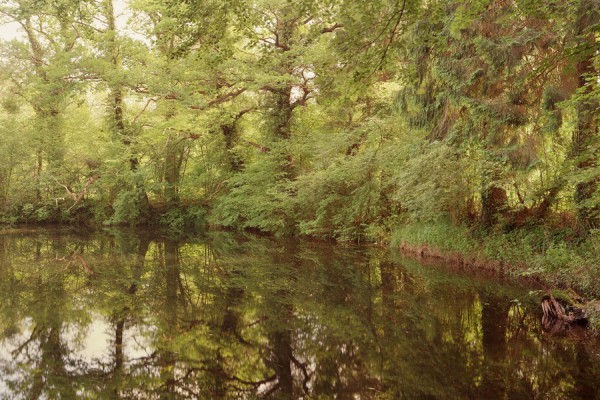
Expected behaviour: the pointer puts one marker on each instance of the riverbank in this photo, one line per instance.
(555, 260)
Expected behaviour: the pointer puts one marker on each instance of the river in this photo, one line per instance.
(123, 315)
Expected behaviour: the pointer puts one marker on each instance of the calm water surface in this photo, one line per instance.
(128, 316)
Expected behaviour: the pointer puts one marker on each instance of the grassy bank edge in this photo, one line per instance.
(539, 253)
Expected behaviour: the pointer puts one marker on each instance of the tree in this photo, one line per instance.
(45, 78)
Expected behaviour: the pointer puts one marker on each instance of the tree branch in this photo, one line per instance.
(139, 114)
(263, 149)
(332, 28)
(219, 100)
(392, 35)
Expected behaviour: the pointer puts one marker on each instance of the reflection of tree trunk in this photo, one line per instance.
(494, 318)
(38, 250)
(281, 343)
(120, 327)
(51, 372)
(281, 315)
(138, 268)
(220, 376)
(390, 327)
(171, 277)
(392, 277)
(280, 340)
(52, 364)
(119, 358)
(587, 385)
(388, 295)
(231, 319)
(167, 357)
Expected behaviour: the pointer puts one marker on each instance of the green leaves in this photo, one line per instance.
(332, 118)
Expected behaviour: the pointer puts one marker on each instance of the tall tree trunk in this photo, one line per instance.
(116, 87)
(171, 174)
(172, 170)
(47, 109)
(493, 203)
(230, 134)
(38, 174)
(282, 114)
(116, 106)
(585, 137)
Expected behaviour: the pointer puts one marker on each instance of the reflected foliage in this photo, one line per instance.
(231, 316)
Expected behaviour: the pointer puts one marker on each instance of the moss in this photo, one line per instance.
(563, 297)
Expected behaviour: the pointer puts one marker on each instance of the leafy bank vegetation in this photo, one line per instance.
(469, 126)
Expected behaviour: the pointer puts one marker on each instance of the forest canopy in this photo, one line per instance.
(343, 119)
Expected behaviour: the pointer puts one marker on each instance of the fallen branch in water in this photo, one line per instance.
(557, 318)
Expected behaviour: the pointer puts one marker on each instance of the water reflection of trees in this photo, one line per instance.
(228, 317)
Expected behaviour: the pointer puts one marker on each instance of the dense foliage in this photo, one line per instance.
(332, 118)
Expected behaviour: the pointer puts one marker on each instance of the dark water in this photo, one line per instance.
(117, 315)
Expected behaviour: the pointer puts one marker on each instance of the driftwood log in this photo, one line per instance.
(558, 318)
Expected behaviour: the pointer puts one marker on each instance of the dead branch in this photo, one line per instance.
(77, 196)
